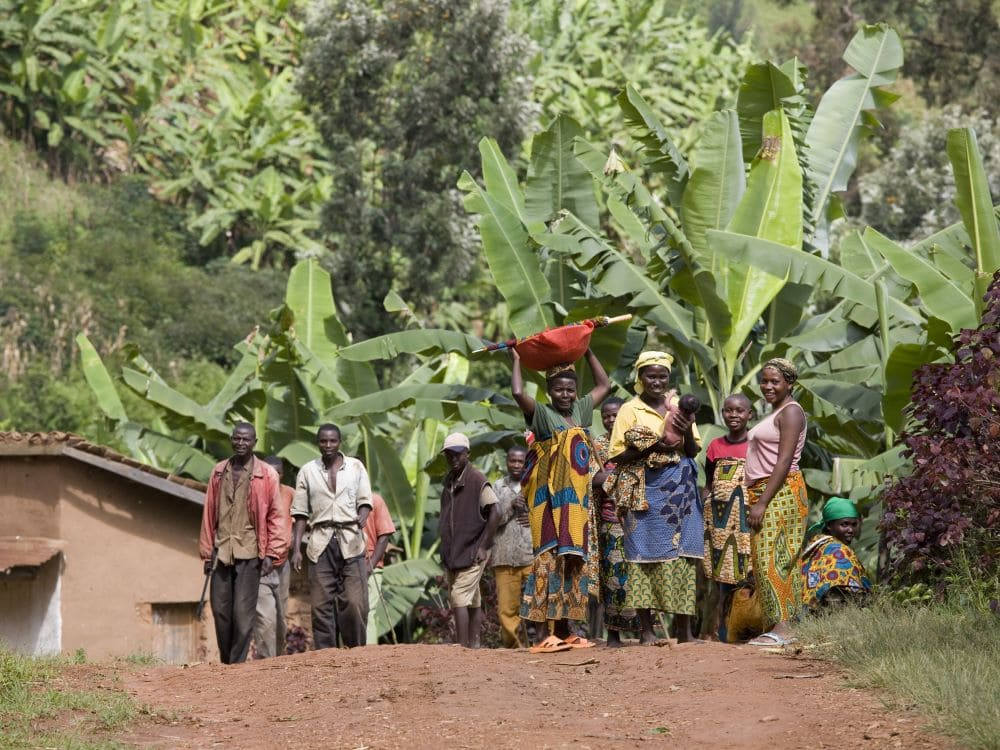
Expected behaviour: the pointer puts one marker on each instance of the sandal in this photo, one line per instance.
(550, 645)
(576, 641)
(772, 639)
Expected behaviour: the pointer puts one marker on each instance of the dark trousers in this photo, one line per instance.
(339, 591)
(234, 607)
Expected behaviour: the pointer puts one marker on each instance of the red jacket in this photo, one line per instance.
(263, 504)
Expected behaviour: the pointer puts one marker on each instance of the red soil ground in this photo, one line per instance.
(694, 695)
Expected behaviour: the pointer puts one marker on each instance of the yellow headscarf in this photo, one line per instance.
(565, 370)
(651, 358)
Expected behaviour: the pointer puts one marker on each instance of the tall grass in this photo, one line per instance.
(28, 702)
(941, 658)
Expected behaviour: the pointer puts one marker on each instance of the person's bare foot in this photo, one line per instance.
(648, 638)
(614, 640)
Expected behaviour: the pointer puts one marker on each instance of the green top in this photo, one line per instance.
(547, 421)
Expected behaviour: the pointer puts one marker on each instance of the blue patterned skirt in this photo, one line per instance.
(673, 526)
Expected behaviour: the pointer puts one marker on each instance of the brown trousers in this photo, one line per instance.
(339, 592)
(510, 586)
(234, 607)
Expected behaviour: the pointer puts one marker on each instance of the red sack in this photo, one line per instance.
(556, 346)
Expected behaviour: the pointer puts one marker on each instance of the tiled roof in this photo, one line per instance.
(75, 447)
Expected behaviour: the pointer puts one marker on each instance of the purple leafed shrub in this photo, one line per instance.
(951, 500)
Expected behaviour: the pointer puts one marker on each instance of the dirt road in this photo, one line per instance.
(690, 696)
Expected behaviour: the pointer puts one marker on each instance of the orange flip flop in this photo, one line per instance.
(576, 641)
(550, 645)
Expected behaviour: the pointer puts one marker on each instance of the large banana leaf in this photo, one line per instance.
(239, 383)
(831, 336)
(859, 477)
(876, 54)
(168, 453)
(319, 331)
(771, 209)
(615, 275)
(393, 398)
(938, 293)
(902, 362)
(634, 207)
(765, 87)
(509, 252)
(449, 411)
(499, 179)
(389, 476)
(421, 341)
(661, 155)
(403, 585)
(802, 267)
(973, 199)
(557, 180)
(182, 412)
(309, 297)
(717, 181)
(100, 381)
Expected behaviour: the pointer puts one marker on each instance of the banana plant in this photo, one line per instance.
(843, 116)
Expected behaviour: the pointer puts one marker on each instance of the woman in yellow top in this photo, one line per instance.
(655, 487)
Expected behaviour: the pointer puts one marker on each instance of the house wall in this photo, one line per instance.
(128, 547)
(29, 601)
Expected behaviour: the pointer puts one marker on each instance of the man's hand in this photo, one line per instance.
(755, 518)
(296, 559)
(482, 554)
(208, 567)
(266, 566)
(369, 568)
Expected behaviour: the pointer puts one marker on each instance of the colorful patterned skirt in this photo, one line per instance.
(556, 485)
(614, 579)
(774, 549)
(664, 543)
(556, 589)
(665, 586)
(827, 564)
(727, 535)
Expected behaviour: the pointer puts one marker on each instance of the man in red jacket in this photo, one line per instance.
(242, 535)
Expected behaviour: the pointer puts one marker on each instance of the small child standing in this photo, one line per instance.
(611, 538)
(727, 535)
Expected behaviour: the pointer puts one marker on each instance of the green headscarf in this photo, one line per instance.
(833, 510)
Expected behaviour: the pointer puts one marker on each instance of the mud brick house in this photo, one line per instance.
(98, 552)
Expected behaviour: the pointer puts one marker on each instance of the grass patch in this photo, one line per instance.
(942, 659)
(30, 705)
(141, 659)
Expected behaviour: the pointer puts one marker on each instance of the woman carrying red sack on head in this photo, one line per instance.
(556, 484)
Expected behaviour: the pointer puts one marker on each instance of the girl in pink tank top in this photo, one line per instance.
(776, 495)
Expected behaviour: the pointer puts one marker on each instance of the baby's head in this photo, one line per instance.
(689, 404)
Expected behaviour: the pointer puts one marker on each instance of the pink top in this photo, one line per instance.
(762, 449)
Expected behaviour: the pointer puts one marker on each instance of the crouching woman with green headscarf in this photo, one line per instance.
(831, 571)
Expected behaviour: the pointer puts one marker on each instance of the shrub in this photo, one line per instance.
(950, 504)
